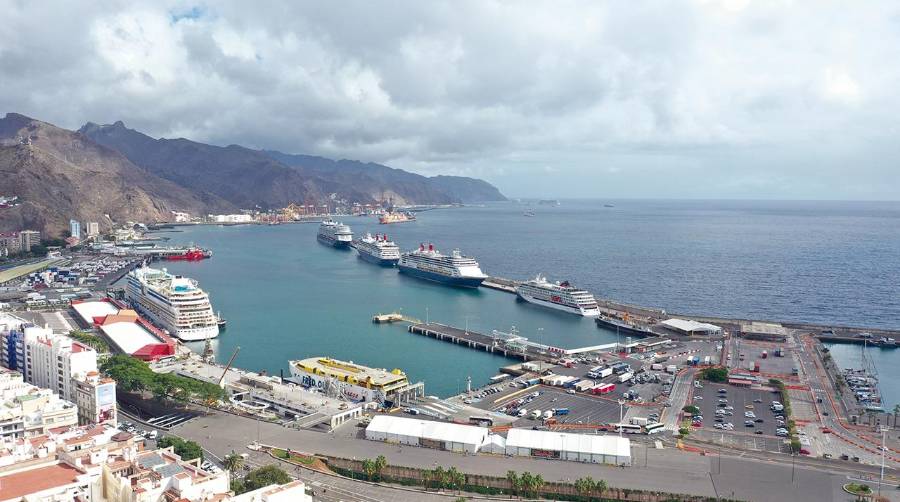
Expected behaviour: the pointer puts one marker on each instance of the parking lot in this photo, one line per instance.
(582, 409)
(742, 400)
(771, 364)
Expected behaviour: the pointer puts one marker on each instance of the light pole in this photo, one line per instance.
(881, 481)
(621, 411)
(426, 316)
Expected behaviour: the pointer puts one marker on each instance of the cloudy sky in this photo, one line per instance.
(695, 99)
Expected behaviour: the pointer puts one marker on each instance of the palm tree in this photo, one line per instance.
(455, 478)
(439, 477)
(233, 462)
(513, 479)
(380, 464)
(368, 466)
(601, 486)
(527, 481)
(537, 483)
(896, 412)
(584, 485)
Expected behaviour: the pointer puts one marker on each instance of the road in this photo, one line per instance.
(829, 412)
(668, 470)
(681, 392)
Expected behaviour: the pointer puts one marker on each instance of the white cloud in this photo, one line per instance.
(739, 97)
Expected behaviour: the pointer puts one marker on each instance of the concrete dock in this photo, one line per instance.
(478, 341)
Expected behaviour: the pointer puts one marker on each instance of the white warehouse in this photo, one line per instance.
(575, 447)
(439, 435)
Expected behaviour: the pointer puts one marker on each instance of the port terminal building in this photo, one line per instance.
(689, 327)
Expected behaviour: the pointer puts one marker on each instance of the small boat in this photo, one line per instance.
(529, 214)
(220, 321)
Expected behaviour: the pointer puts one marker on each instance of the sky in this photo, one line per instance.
(681, 99)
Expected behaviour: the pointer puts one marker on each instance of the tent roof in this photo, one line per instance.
(581, 443)
(438, 431)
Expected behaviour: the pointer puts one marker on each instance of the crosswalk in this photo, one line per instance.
(170, 420)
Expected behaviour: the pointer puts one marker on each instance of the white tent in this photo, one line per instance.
(576, 447)
(494, 443)
(690, 327)
(441, 435)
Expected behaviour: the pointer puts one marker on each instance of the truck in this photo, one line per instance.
(779, 352)
(756, 366)
(604, 388)
(624, 377)
(672, 369)
(605, 372)
(594, 372)
(620, 368)
(795, 371)
(533, 381)
(571, 383)
(707, 360)
(548, 414)
(536, 414)
(656, 366)
(561, 411)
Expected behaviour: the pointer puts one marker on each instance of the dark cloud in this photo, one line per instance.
(742, 99)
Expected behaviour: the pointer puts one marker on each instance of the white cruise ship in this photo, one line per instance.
(333, 233)
(430, 264)
(378, 250)
(173, 303)
(559, 296)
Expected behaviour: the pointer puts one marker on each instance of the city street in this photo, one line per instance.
(667, 470)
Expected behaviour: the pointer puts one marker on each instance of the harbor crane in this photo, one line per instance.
(228, 366)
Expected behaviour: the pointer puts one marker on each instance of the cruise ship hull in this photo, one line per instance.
(623, 329)
(331, 241)
(384, 262)
(185, 335)
(557, 306)
(463, 282)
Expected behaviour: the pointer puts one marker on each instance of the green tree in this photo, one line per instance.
(691, 409)
(514, 481)
(455, 479)
(584, 486)
(187, 450)
(715, 374)
(439, 476)
(233, 462)
(601, 486)
(265, 476)
(380, 464)
(368, 466)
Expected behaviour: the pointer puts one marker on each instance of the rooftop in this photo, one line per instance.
(89, 311)
(18, 484)
(349, 371)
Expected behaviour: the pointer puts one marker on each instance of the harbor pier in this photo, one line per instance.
(478, 341)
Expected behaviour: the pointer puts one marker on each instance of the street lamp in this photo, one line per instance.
(881, 481)
(621, 410)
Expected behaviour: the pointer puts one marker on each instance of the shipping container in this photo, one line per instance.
(672, 369)
(561, 411)
(624, 377)
(605, 372)
(604, 388)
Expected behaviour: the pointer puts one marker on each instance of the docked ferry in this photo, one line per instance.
(623, 326)
(172, 302)
(378, 249)
(352, 381)
(430, 264)
(558, 295)
(334, 234)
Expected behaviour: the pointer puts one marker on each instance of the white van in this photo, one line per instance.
(536, 414)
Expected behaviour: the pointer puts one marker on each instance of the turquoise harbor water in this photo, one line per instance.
(885, 361)
(286, 296)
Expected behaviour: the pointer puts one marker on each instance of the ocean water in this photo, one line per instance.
(286, 296)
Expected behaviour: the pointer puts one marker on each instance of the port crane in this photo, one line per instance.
(228, 366)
